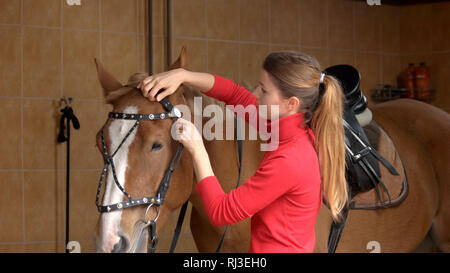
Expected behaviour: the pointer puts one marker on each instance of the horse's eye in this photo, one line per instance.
(156, 147)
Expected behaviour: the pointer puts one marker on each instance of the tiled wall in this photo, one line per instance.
(425, 36)
(232, 37)
(47, 51)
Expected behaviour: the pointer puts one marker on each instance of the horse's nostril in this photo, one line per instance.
(121, 246)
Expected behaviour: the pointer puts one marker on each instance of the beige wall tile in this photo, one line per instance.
(143, 62)
(119, 55)
(313, 23)
(83, 212)
(12, 248)
(368, 65)
(416, 59)
(340, 24)
(440, 26)
(416, 28)
(11, 211)
(142, 14)
(41, 63)
(440, 80)
(11, 62)
(367, 27)
(84, 153)
(10, 139)
(42, 12)
(222, 19)
(45, 247)
(284, 47)
(189, 18)
(254, 22)
(119, 15)
(390, 34)
(159, 58)
(251, 61)
(42, 193)
(40, 119)
(196, 53)
(80, 75)
(84, 16)
(10, 12)
(391, 69)
(284, 22)
(342, 57)
(223, 59)
(159, 17)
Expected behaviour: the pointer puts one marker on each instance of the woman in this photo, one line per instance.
(284, 195)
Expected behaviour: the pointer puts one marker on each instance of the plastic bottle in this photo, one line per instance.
(409, 80)
(422, 82)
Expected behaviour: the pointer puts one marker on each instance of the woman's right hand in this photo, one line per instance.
(169, 81)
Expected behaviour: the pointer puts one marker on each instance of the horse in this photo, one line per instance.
(398, 229)
(143, 155)
(417, 130)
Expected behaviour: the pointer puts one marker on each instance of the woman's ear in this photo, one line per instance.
(293, 103)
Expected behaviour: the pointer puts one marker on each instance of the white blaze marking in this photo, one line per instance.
(111, 220)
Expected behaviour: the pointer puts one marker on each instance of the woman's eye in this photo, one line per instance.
(156, 147)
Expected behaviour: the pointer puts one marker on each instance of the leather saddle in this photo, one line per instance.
(363, 173)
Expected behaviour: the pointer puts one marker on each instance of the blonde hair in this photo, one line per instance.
(298, 74)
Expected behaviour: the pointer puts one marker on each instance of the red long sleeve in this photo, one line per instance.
(283, 197)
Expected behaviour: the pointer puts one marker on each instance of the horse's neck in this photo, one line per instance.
(197, 108)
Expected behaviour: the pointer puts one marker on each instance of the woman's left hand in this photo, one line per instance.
(187, 134)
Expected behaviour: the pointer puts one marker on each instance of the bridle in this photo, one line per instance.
(158, 199)
(150, 201)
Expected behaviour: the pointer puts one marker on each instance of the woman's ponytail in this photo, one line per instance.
(328, 129)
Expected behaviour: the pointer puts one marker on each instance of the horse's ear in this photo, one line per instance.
(181, 62)
(108, 81)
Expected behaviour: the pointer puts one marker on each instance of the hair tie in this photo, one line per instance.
(321, 91)
(322, 76)
(321, 84)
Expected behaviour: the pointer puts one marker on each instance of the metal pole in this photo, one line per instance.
(169, 33)
(150, 37)
(67, 184)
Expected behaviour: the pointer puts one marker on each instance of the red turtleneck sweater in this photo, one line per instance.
(283, 197)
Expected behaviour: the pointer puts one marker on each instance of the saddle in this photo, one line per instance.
(363, 146)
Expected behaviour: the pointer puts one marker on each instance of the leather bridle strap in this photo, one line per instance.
(239, 145)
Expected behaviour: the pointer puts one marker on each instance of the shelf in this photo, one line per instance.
(387, 92)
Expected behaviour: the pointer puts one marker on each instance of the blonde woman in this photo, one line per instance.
(284, 195)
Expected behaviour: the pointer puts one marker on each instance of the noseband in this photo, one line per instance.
(150, 201)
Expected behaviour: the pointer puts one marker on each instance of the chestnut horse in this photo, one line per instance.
(416, 128)
(140, 164)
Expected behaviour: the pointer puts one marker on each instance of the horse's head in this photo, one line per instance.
(139, 165)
